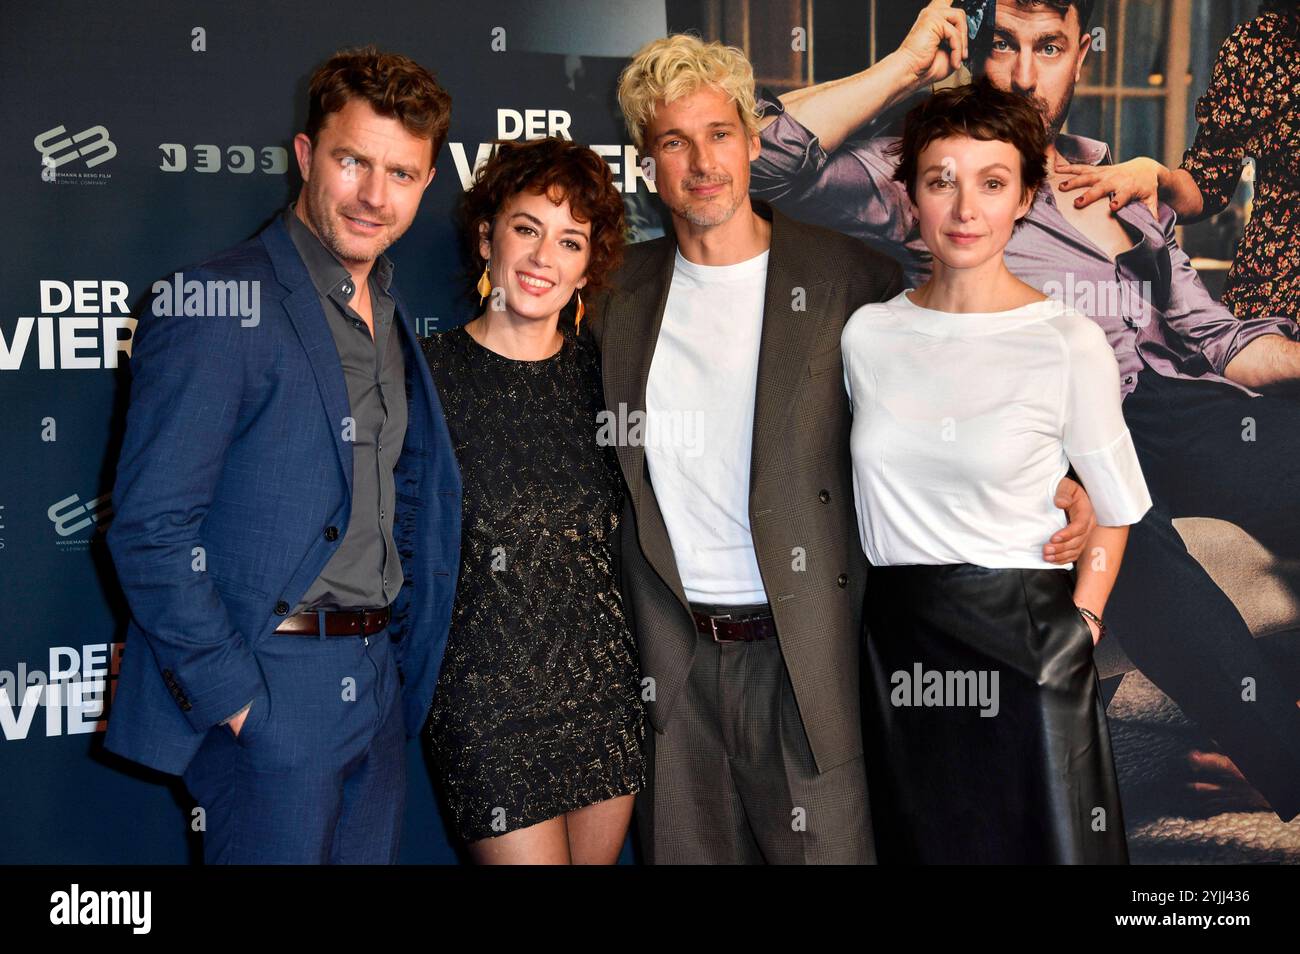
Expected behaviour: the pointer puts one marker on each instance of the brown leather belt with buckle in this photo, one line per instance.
(724, 629)
(358, 622)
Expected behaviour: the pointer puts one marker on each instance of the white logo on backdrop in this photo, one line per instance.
(70, 516)
(630, 175)
(82, 325)
(57, 148)
(74, 691)
(272, 160)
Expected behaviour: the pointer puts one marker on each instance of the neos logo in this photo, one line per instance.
(272, 160)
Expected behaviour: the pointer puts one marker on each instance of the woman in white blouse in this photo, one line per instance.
(972, 396)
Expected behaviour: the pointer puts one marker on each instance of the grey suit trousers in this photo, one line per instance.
(733, 779)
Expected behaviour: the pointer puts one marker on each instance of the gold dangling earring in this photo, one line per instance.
(581, 311)
(484, 283)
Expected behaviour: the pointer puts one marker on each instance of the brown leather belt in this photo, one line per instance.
(724, 629)
(358, 622)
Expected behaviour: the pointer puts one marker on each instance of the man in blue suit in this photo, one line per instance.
(288, 502)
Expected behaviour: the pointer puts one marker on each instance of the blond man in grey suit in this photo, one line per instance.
(742, 570)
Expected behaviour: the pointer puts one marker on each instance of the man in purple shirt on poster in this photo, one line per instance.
(1209, 443)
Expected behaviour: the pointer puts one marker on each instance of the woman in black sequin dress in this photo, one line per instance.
(537, 725)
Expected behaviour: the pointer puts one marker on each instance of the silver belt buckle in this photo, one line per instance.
(713, 625)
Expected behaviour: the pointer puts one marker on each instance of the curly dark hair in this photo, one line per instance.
(978, 110)
(392, 84)
(562, 170)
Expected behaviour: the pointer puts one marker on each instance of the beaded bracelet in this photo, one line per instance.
(1088, 614)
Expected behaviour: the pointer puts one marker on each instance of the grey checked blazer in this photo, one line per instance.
(801, 485)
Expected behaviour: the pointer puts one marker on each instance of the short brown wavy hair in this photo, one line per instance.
(1063, 8)
(562, 170)
(392, 84)
(978, 110)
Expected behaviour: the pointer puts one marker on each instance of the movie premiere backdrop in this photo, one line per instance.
(141, 137)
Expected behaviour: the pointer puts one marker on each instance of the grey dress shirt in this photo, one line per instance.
(365, 571)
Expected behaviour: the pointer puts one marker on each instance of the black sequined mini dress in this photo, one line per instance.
(537, 710)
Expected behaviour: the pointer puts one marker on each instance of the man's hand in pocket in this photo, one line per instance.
(237, 721)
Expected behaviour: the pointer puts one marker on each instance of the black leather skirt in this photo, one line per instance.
(985, 732)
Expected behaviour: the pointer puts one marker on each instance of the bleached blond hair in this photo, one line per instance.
(679, 65)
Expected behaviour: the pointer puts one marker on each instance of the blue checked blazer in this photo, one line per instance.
(232, 470)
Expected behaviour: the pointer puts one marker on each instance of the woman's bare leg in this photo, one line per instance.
(546, 843)
(597, 832)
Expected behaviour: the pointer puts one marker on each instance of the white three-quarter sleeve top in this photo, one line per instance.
(964, 424)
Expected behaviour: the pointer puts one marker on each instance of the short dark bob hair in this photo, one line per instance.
(976, 111)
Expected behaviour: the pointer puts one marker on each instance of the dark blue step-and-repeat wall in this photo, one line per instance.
(139, 138)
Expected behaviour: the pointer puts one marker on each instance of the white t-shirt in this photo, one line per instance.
(699, 425)
(964, 424)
